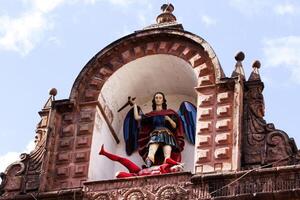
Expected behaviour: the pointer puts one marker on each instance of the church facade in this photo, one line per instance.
(236, 153)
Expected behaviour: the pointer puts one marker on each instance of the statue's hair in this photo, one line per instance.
(164, 104)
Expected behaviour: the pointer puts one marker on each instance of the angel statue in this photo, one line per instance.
(159, 134)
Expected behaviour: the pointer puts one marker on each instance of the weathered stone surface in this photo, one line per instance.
(58, 166)
(263, 143)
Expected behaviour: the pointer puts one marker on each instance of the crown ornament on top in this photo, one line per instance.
(166, 15)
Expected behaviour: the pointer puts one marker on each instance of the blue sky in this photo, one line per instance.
(45, 43)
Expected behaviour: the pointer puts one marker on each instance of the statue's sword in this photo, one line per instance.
(127, 103)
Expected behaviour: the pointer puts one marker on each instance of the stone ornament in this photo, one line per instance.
(101, 196)
(134, 194)
(171, 192)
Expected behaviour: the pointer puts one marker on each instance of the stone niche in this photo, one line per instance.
(140, 78)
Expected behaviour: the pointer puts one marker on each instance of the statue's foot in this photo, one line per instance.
(177, 168)
(148, 163)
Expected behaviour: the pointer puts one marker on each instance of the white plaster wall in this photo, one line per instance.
(141, 79)
(98, 164)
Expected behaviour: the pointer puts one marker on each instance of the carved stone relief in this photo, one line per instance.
(134, 194)
(263, 143)
(149, 192)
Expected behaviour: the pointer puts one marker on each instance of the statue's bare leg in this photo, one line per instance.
(152, 151)
(167, 151)
(133, 168)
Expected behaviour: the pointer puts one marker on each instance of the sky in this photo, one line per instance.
(45, 44)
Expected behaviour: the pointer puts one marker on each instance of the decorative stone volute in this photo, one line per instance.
(166, 15)
(263, 143)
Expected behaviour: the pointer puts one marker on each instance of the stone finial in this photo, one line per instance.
(53, 92)
(240, 56)
(166, 19)
(255, 72)
(239, 70)
(166, 15)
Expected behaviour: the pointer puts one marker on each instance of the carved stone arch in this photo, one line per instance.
(81, 124)
(195, 55)
(187, 46)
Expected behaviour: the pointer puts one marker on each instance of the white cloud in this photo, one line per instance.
(30, 146)
(46, 6)
(283, 9)
(254, 7)
(208, 21)
(282, 53)
(22, 33)
(7, 159)
(12, 157)
(250, 8)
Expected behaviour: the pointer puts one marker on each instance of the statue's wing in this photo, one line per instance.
(131, 131)
(187, 113)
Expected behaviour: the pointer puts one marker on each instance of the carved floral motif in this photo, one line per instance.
(167, 192)
(101, 196)
(179, 191)
(135, 194)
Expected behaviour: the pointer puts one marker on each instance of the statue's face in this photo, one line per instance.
(159, 99)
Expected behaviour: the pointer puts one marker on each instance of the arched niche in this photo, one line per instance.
(170, 60)
(140, 78)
